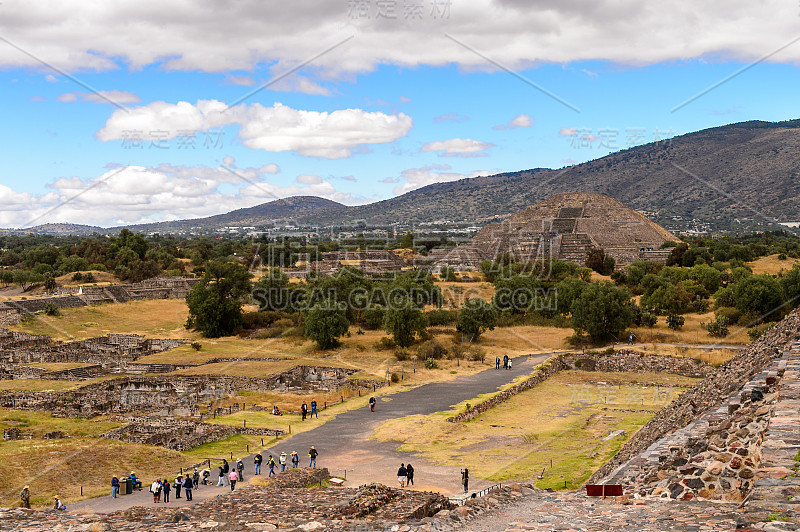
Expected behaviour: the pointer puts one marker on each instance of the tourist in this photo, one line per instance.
(226, 469)
(114, 486)
(510, 362)
(58, 505)
(497, 363)
(295, 459)
(196, 478)
(25, 497)
(282, 461)
(271, 466)
(401, 475)
(178, 485)
(312, 454)
(166, 489)
(410, 474)
(221, 479)
(188, 485)
(304, 410)
(155, 489)
(257, 461)
(465, 479)
(135, 482)
(371, 404)
(233, 477)
(314, 409)
(206, 475)
(276, 411)
(505, 361)
(240, 469)
(630, 339)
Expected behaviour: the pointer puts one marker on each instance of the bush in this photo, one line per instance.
(88, 278)
(675, 321)
(440, 317)
(781, 256)
(431, 349)
(754, 333)
(395, 378)
(77, 276)
(373, 317)
(51, 309)
(731, 313)
(387, 342)
(197, 346)
(295, 332)
(431, 364)
(717, 328)
(97, 267)
(477, 353)
(402, 354)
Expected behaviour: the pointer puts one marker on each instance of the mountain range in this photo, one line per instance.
(739, 177)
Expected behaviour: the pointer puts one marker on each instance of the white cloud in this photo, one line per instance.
(138, 194)
(458, 147)
(75, 34)
(522, 120)
(567, 131)
(331, 135)
(427, 175)
(309, 179)
(49, 78)
(450, 117)
(112, 96)
(245, 81)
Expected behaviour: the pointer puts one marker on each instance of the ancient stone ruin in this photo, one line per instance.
(564, 227)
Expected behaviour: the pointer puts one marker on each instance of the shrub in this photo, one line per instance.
(97, 267)
(51, 309)
(373, 317)
(717, 328)
(77, 276)
(395, 378)
(675, 322)
(440, 317)
(731, 313)
(782, 256)
(432, 349)
(88, 278)
(387, 342)
(296, 332)
(402, 354)
(477, 353)
(754, 333)
(197, 346)
(431, 364)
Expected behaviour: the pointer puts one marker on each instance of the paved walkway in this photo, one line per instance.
(345, 448)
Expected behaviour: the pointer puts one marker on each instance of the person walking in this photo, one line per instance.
(25, 497)
(114, 487)
(221, 476)
(165, 486)
(233, 477)
(304, 410)
(188, 485)
(401, 475)
(240, 469)
(410, 474)
(257, 461)
(295, 459)
(312, 454)
(314, 409)
(465, 479)
(505, 361)
(510, 362)
(196, 479)
(178, 485)
(372, 404)
(271, 466)
(227, 470)
(282, 461)
(155, 489)
(497, 363)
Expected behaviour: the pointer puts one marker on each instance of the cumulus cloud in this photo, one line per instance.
(330, 135)
(138, 194)
(196, 34)
(115, 96)
(427, 175)
(458, 147)
(522, 120)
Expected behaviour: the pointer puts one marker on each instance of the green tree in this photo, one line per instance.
(325, 322)
(215, 303)
(408, 241)
(404, 319)
(760, 294)
(599, 261)
(675, 322)
(271, 291)
(602, 310)
(475, 317)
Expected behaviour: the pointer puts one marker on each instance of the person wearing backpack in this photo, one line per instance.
(314, 409)
(282, 461)
(312, 454)
(295, 459)
(257, 461)
(240, 469)
(166, 489)
(114, 486)
(304, 410)
(271, 466)
(188, 485)
(25, 497)
(371, 404)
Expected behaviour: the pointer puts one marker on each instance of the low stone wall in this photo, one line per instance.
(180, 435)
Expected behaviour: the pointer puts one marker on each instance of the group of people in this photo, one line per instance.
(405, 475)
(305, 412)
(507, 362)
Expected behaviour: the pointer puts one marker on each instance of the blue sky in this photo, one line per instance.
(396, 105)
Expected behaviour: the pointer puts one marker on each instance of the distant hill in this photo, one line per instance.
(278, 210)
(739, 177)
(60, 229)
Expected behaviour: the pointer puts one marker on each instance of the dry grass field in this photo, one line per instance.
(564, 421)
(772, 265)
